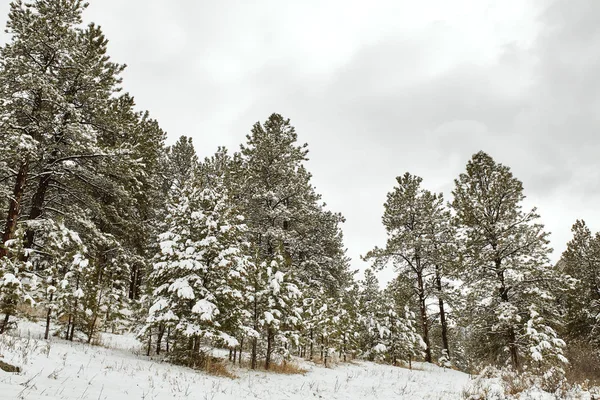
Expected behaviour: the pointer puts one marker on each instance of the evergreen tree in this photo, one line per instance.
(505, 261)
(419, 234)
(199, 273)
(581, 261)
(77, 150)
(282, 207)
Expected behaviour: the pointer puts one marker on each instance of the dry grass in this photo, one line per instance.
(31, 312)
(287, 368)
(584, 367)
(218, 367)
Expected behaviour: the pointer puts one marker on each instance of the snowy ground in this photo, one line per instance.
(56, 369)
(63, 370)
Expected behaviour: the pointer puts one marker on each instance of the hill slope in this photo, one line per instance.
(72, 371)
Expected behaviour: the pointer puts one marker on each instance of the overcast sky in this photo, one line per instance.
(379, 88)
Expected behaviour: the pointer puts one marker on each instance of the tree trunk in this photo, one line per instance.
(253, 362)
(4, 326)
(511, 335)
(443, 322)
(254, 339)
(269, 348)
(168, 338)
(72, 334)
(241, 347)
(48, 315)
(149, 342)
(311, 343)
(14, 208)
(68, 327)
(424, 321)
(37, 206)
(161, 332)
(326, 350)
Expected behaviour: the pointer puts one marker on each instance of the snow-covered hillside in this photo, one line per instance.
(61, 370)
(74, 371)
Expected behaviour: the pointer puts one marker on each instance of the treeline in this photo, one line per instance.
(106, 227)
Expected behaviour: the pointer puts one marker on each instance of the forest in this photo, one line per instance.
(105, 228)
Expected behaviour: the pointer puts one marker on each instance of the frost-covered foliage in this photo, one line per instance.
(77, 154)
(420, 247)
(581, 261)
(17, 282)
(505, 266)
(199, 273)
(60, 266)
(388, 330)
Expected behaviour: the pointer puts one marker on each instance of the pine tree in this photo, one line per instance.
(581, 261)
(182, 161)
(505, 261)
(371, 310)
(419, 234)
(78, 152)
(198, 275)
(282, 207)
(17, 282)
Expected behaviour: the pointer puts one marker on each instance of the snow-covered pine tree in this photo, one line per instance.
(199, 272)
(282, 208)
(276, 195)
(77, 150)
(182, 161)
(58, 263)
(505, 266)
(282, 316)
(545, 347)
(398, 332)
(418, 230)
(346, 323)
(17, 281)
(581, 261)
(371, 309)
(273, 304)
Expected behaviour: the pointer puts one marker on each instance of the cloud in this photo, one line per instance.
(381, 89)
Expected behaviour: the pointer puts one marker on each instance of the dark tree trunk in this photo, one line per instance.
(254, 345)
(14, 208)
(168, 338)
(72, 334)
(149, 342)
(269, 349)
(424, 321)
(254, 339)
(443, 322)
(240, 355)
(4, 326)
(161, 332)
(69, 327)
(311, 344)
(511, 335)
(48, 315)
(135, 282)
(37, 206)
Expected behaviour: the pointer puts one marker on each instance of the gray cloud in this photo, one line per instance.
(379, 90)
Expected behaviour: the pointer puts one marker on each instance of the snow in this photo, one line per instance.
(10, 279)
(59, 370)
(205, 309)
(183, 289)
